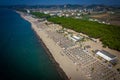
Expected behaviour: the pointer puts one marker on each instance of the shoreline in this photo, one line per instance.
(60, 71)
(70, 64)
(56, 65)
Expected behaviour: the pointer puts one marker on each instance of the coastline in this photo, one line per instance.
(66, 67)
(60, 70)
(60, 54)
(55, 63)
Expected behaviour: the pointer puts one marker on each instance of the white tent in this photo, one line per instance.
(107, 56)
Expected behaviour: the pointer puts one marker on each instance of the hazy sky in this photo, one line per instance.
(49, 2)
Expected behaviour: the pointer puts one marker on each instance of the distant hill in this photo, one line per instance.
(66, 6)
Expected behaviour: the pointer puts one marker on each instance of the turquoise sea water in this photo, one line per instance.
(21, 55)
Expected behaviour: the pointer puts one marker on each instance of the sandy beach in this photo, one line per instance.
(67, 62)
(64, 62)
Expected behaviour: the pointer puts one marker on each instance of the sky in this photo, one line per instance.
(57, 2)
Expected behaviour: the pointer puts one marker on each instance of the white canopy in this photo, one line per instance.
(107, 56)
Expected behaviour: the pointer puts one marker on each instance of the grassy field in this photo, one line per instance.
(108, 34)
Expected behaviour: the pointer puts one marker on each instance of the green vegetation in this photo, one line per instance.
(40, 15)
(85, 17)
(108, 34)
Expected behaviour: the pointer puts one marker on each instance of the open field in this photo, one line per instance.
(100, 15)
(113, 19)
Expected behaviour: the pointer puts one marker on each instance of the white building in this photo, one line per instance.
(46, 12)
(74, 38)
(28, 11)
(107, 56)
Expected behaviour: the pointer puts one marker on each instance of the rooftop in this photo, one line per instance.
(106, 55)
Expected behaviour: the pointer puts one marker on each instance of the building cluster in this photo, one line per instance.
(81, 13)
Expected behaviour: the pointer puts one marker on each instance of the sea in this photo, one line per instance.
(22, 56)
